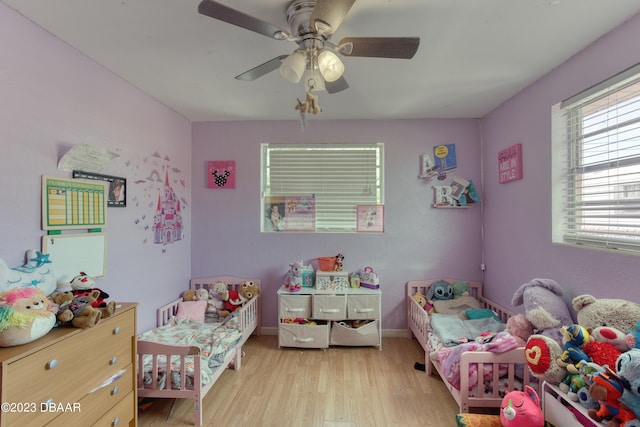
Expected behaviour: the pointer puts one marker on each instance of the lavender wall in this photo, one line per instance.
(518, 215)
(418, 241)
(54, 98)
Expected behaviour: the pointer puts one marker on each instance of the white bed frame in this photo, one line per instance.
(418, 325)
(249, 315)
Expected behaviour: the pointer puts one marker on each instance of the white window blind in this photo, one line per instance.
(599, 155)
(339, 176)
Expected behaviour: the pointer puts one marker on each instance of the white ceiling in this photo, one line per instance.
(473, 54)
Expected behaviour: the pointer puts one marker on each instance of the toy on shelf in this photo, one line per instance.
(26, 314)
(293, 279)
(338, 264)
(84, 285)
(77, 311)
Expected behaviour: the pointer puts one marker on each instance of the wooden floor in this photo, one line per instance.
(338, 387)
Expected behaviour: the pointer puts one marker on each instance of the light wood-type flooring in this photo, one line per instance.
(337, 387)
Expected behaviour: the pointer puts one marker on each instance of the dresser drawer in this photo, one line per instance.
(98, 402)
(61, 369)
(292, 306)
(363, 307)
(119, 415)
(330, 307)
(304, 336)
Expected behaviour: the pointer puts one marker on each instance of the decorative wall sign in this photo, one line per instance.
(370, 218)
(510, 164)
(445, 157)
(221, 173)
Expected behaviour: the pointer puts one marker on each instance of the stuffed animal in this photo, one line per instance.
(189, 295)
(26, 314)
(611, 335)
(521, 409)
(338, 264)
(83, 285)
(574, 337)
(541, 354)
(310, 105)
(520, 327)
(36, 272)
(460, 288)
(77, 311)
(628, 369)
(616, 313)
(293, 279)
(218, 294)
(441, 290)
(421, 299)
(247, 290)
(544, 307)
(606, 388)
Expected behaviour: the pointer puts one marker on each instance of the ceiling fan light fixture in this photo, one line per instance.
(313, 81)
(331, 67)
(293, 66)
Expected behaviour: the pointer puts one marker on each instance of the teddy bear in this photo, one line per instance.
(189, 295)
(26, 314)
(75, 310)
(84, 285)
(247, 290)
(617, 313)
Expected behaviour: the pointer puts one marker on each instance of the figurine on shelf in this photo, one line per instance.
(338, 264)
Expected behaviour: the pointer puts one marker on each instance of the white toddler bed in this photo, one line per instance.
(501, 366)
(198, 352)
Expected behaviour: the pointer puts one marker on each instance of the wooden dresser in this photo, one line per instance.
(58, 380)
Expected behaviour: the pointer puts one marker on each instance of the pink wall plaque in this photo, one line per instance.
(221, 173)
(510, 164)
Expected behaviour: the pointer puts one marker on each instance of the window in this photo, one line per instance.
(336, 177)
(596, 137)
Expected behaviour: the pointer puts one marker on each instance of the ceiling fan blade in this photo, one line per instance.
(231, 16)
(261, 69)
(380, 47)
(336, 86)
(327, 15)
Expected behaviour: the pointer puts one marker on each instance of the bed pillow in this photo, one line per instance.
(192, 310)
(481, 313)
(457, 306)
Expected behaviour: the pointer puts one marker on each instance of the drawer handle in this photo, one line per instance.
(330, 310)
(116, 330)
(51, 364)
(303, 339)
(364, 310)
(113, 361)
(115, 421)
(114, 391)
(295, 310)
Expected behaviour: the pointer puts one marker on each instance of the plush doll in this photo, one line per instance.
(77, 311)
(441, 290)
(544, 306)
(606, 388)
(628, 369)
(574, 337)
(338, 264)
(26, 314)
(247, 290)
(421, 299)
(521, 409)
(520, 327)
(460, 288)
(293, 279)
(541, 354)
(36, 272)
(83, 285)
(616, 313)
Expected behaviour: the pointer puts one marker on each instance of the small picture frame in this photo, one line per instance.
(370, 218)
(117, 192)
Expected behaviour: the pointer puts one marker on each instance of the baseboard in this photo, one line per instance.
(386, 333)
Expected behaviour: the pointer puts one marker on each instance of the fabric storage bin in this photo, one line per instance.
(330, 307)
(363, 307)
(295, 306)
(364, 335)
(338, 280)
(304, 336)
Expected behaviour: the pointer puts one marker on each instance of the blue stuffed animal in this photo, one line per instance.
(440, 290)
(574, 337)
(628, 369)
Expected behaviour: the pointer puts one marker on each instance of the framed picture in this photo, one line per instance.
(117, 191)
(221, 174)
(510, 164)
(370, 218)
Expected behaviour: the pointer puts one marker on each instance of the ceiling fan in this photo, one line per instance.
(312, 23)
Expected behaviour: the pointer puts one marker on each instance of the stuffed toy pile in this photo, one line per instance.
(592, 359)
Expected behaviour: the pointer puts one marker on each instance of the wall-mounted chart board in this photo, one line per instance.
(71, 254)
(72, 203)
